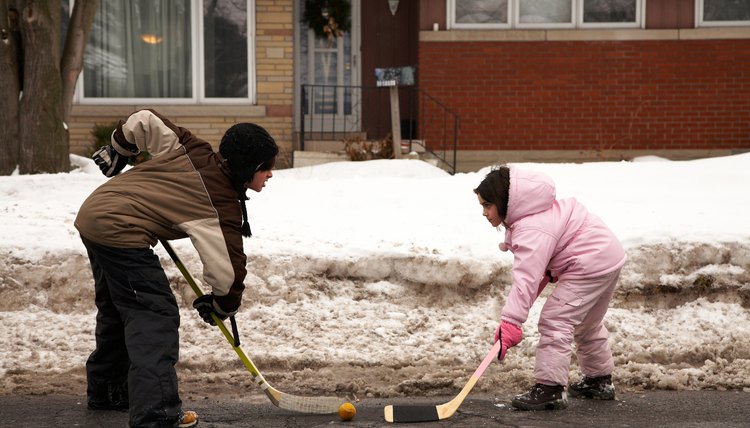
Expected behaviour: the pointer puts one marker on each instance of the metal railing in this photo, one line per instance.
(339, 112)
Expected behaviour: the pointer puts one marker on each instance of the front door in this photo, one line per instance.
(389, 40)
(330, 104)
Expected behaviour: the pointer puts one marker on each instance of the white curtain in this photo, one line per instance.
(139, 49)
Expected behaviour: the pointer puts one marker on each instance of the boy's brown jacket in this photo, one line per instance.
(183, 191)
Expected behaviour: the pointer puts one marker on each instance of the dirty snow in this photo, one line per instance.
(382, 278)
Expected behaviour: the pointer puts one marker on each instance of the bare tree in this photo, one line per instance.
(81, 20)
(37, 94)
(10, 41)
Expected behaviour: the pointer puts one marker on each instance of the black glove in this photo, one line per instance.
(205, 305)
(109, 160)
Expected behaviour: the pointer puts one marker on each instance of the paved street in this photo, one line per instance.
(632, 409)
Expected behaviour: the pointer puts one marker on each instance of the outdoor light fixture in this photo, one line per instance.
(393, 4)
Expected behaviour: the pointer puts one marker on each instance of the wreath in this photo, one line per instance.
(328, 18)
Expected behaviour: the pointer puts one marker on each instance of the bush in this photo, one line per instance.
(359, 150)
(102, 135)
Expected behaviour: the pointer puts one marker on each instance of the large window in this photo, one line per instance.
(545, 13)
(159, 49)
(724, 12)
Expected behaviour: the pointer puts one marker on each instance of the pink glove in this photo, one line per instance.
(510, 335)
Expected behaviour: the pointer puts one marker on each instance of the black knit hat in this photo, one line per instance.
(246, 147)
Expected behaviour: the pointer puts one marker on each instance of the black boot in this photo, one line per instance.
(542, 397)
(598, 388)
(109, 396)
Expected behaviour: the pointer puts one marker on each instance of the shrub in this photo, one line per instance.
(359, 150)
(102, 135)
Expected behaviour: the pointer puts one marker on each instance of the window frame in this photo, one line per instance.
(538, 25)
(700, 22)
(640, 19)
(453, 24)
(575, 24)
(197, 69)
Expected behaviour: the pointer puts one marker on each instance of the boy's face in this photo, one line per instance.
(259, 180)
(489, 211)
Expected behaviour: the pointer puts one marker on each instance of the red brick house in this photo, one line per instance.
(532, 80)
(664, 77)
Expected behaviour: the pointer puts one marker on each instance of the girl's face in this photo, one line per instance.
(259, 180)
(489, 211)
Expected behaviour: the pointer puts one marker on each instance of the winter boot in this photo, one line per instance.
(109, 396)
(598, 388)
(542, 397)
(187, 419)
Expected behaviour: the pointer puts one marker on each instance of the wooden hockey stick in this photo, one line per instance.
(441, 411)
(319, 405)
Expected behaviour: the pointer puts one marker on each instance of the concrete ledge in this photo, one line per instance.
(499, 35)
(614, 35)
(537, 35)
(106, 110)
(308, 158)
(324, 146)
(714, 33)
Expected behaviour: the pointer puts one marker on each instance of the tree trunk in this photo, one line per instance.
(44, 140)
(81, 20)
(10, 39)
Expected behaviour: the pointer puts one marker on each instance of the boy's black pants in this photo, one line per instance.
(136, 333)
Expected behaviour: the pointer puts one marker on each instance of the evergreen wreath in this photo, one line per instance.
(328, 18)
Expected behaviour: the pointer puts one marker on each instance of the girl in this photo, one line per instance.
(554, 241)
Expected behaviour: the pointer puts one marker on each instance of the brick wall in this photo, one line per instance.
(274, 48)
(593, 95)
(274, 20)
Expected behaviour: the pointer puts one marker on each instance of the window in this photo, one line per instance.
(723, 12)
(545, 13)
(610, 13)
(481, 13)
(225, 49)
(142, 50)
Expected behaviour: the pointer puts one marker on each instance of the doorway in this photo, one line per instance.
(335, 80)
(327, 71)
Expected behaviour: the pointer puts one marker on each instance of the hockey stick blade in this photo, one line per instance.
(317, 405)
(422, 413)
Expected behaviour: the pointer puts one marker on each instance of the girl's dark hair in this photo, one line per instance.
(494, 189)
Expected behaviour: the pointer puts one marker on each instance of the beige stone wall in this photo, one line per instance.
(274, 82)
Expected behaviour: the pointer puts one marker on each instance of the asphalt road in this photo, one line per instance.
(631, 409)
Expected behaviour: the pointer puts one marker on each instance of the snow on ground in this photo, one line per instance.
(383, 278)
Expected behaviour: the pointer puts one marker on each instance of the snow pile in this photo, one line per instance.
(383, 278)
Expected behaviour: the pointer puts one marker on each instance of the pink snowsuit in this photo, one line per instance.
(560, 236)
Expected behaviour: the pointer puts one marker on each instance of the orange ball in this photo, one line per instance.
(347, 411)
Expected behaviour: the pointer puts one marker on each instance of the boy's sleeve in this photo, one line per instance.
(148, 132)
